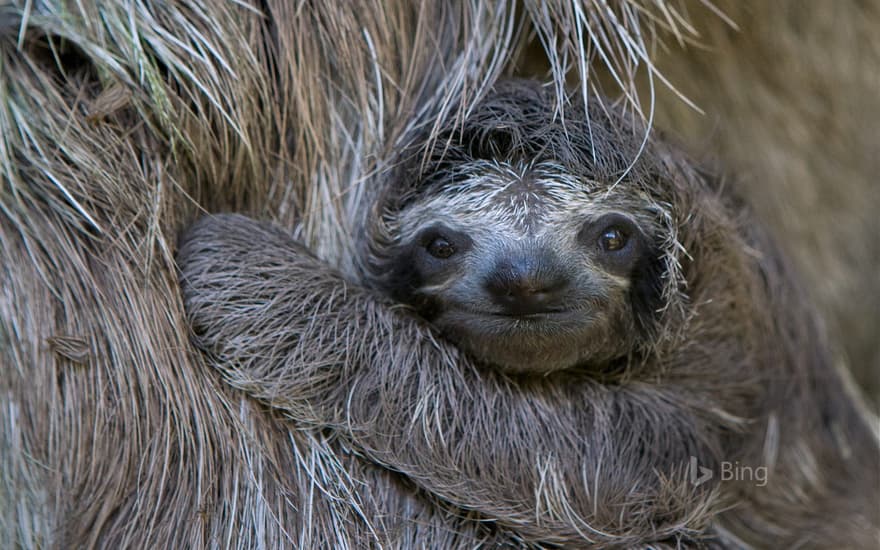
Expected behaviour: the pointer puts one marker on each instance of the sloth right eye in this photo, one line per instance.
(439, 247)
(613, 239)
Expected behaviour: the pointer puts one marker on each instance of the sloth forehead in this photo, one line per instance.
(518, 199)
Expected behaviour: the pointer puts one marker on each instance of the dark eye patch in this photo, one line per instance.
(441, 248)
(621, 247)
(646, 288)
(411, 267)
(615, 240)
(437, 237)
(438, 250)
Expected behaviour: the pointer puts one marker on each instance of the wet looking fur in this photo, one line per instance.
(707, 350)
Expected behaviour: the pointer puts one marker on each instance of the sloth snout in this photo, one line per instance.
(527, 285)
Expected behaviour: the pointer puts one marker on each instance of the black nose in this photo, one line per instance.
(526, 285)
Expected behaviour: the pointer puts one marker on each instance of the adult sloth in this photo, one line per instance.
(667, 329)
(119, 121)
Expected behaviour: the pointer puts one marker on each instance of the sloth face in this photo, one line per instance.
(529, 268)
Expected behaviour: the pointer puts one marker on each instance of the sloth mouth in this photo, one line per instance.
(542, 314)
(563, 319)
(559, 313)
(548, 316)
(539, 342)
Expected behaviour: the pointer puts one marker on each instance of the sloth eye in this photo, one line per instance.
(440, 248)
(440, 242)
(613, 239)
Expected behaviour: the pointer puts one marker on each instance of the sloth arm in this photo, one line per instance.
(555, 462)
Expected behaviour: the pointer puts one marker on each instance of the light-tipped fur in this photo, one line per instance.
(733, 370)
(121, 122)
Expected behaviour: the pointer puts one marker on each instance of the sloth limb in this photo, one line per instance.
(554, 462)
(558, 460)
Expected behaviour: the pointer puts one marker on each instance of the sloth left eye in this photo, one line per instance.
(440, 248)
(613, 239)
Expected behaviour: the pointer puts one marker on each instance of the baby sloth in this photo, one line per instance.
(666, 331)
(524, 264)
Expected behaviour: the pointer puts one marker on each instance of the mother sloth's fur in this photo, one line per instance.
(732, 369)
(118, 119)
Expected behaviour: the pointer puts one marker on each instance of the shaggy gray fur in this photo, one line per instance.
(733, 368)
(123, 121)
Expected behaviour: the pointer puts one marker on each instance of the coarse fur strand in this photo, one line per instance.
(734, 371)
(121, 121)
